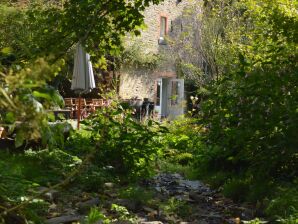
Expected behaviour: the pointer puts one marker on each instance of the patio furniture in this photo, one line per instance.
(97, 103)
(70, 105)
(107, 102)
(65, 112)
(136, 104)
(82, 108)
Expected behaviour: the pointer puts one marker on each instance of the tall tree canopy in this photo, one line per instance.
(35, 37)
(250, 107)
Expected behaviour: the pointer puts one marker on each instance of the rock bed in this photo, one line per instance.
(207, 206)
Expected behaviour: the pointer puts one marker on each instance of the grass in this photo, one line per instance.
(187, 171)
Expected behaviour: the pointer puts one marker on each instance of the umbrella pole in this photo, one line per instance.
(79, 112)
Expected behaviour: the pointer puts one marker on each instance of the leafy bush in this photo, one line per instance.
(21, 174)
(182, 141)
(183, 136)
(285, 202)
(184, 158)
(123, 214)
(174, 206)
(95, 216)
(250, 111)
(236, 189)
(137, 194)
(123, 143)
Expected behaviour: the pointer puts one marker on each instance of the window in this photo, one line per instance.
(163, 30)
(175, 93)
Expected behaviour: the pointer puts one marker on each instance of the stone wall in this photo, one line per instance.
(136, 82)
(172, 10)
(140, 83)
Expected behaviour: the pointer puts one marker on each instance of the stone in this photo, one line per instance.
(85, 206)
(197, 197)
(152, 222)
(121, 222)
(53, 206)
(192, 185)
(151, 210)
(49, 195)
(129, 204)
(177, 176)
(52, 195)
(109, 185)
(64, 219)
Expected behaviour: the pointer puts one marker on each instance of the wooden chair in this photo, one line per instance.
(70, 105)
(84, 109)
(97, 103)
(107, 103)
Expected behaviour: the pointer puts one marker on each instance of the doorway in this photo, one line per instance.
(169, 97)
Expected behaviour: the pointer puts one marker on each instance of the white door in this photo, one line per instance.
(158, 97)
(175, 100)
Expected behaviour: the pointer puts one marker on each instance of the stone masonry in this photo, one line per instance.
(140, 83)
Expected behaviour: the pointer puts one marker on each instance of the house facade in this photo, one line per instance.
(161, 83)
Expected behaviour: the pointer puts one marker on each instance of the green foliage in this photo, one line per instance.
(21, 98)
(35, 40)
(184, 158)
(168, 166)
(123, 214)
(93, 177)
(19, 172)
(133, 56)
(180, 146)
(36, 209)
(248, 145)
(285, 203)
(175, 206)
(251, 112)
(255, 221)
(137, 194)
(183, 136)
(95, 216)
(22, 174)
(130, 147)
(236, 189)
(45, 29)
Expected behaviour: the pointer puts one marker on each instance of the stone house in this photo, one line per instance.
(158, 81)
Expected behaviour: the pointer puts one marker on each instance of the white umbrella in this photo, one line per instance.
(83, 78)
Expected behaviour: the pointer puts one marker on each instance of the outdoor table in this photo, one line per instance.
(65, 112)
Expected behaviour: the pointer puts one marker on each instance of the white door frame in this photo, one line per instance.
(175, 102)
(166, 108)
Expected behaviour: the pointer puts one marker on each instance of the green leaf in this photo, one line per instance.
(19, 140)
(10, 117)
(38, 94)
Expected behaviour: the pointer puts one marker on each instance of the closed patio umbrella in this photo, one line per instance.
(83, 78)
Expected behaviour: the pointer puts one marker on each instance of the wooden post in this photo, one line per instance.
(79, 112)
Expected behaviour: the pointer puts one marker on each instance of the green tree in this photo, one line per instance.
(250, 113)
(36, 38)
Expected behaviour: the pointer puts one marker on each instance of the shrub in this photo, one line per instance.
(128, 146)
(284, 203)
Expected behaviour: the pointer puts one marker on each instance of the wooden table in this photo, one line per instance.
(65, 112)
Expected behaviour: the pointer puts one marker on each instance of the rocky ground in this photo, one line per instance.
(166, 198)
